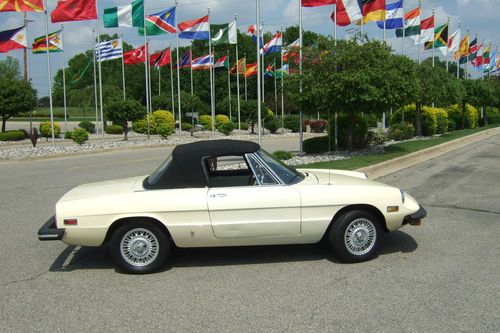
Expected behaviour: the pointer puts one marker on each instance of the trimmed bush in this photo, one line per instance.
(87, 125)
(359, 131)
(226, 128)
(429, 121)
(114, 129)
(68, 135)
(46, 130)
(80, 135)
(43, 114)
(401, 131)
(372, 119)
(244, 126)
(12, 136)
(140, 126)
(317, 145)
(376, 136)
(471, 116)
(441, 120)
(186, 126)
(206, 121)
(452, 125)
(282, 155)
(162, 117)
(493, 115)
(318, 126)
(271, 125)
(220, 119)
(165, 130)
(292, 123)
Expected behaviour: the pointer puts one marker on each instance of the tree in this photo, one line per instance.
(249, 112)
(123, 111)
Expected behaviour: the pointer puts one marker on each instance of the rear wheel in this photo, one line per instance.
(139, 247)
(354, 236)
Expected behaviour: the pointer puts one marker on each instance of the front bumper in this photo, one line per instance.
(415, 218)
(49, 231)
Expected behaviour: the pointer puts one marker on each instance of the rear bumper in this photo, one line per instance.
(415, 218)
(49, 231)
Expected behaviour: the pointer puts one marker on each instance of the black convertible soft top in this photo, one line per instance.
(186, 168)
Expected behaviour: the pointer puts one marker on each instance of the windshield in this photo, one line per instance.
(153, 178)
(285, 172)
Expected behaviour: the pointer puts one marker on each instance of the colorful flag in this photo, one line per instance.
(274, 45)
(269, 71)
(74, 10)
(283, 71)
(222, 63)
(440, 39)
(393, 16)
(473, 47)
(55, 43)
(112, 49)
(186, 60)
(426, 30)
(241, 67)
(202, 62)
(13, 39)
(21, 6)
(348, 11)
(373, 10)
(223, 33)
(124, 16)
(160, 23)
(454, 42)
(463, 51)
(317, 3)
(161, 58)
(251, 70)
(477, 59)
(135, 56)
(252, 30)
(195, 29)
(412, 24)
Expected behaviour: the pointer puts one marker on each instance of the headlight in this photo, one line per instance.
(402, 195)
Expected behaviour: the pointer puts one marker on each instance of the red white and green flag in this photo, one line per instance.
(222, 63)
(412, 24)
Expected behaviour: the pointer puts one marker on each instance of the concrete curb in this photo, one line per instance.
(385, 168)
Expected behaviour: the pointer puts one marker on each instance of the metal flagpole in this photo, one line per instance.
(159, 81)
(301, 133)
(212, 106)
(282, 97)
(433, 42)
(447, 59)
(263, 65)
(123, 70)
(238, 75)
(64, 83)
(172, 77)
(245, 77)
(385, 23)
(95, 86)
(49, 74)
(99, 69)
(459, 55)
(146, 77)
(178, 72)
(25, 54)
(229, 87)
(466, 70)
(404, 29)
(275, 89)
(192, 90)
(259, 115)
(334, 27)
(150, 89)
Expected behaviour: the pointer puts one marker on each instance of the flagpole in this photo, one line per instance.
(237, 73)
(404, 29)
(466, 71)
(172, 77)
(146, 76)
(212, 106)
(49, 74)
(385, 26)
(282, 76)
(99, 69)
(229, 86)
(259, 116)
(263, 64)
(275, 89)
(433, 42)
(64, 83)
(95, 85)
(159, 81)
(245, 77)
(123, 70)
(459, 55)
(334, 27)
(192, 90)
(447, 65)
(150, 88)
(25, 53)
(179, 73)
(301, 133)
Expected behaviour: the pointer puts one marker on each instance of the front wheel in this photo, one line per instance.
(139, 247)
(354, 236)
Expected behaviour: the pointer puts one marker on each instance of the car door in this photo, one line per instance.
(265, 209)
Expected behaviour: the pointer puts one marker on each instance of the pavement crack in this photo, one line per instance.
(31, 278)
(461, 208)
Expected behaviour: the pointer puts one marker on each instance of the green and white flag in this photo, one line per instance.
(125, 16)
(224, 33)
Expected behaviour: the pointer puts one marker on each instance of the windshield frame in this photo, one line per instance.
(264, 156)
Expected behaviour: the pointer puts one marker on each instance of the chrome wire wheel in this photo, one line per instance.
(360, 236)
(139, 247)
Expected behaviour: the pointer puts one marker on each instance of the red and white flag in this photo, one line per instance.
(135, 56)
(348, 12)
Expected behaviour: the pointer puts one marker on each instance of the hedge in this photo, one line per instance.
(12, 136)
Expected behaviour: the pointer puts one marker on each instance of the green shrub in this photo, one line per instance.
(87, 125)
(165, 129)
(318, 126)
(12, 136)
(221, 119)
(359, 131)
(376, 136)
(429, 121)
(43, 114)
(452, 125)
(114, 129)
(46, 130)
(441, 120)
(493, 115)
(186, 126)
(372, 119)
(244, 126)
(282, 155)
(271, 125)
(292, 123)
(317, 145)
(471, 116)
(226, 128)
(140, 126)
(80, 135)
(162, 117)
(206, 121)
(68, 135)
(401, 131)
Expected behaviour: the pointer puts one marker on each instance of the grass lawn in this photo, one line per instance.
(393, 151)
(74, 114)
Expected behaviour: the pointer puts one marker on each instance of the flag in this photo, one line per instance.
(13, 39)
(55, 43)
(252, 30)
(373, 10)
(195, 29)
(135, 56)
(161, 58)
(393, 16)
(112, 49)
(241, 67)
(222, 63)
(476, 56)
(317, 3)
(251, 70)
(274, 45)
(412, 24)
(348, 11)
(21, 6)
(486, 58)
(426, 31)
(74, 10)
(282, 72)
(269, 71)
(202, 62)
(494, 63)
(440, 39)
(471, 52)
(223, 33)
(454, 42)
(124, 16)
(463, 51)
(160, 23)
(186, 60)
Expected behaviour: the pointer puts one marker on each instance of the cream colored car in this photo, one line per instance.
(229, 193)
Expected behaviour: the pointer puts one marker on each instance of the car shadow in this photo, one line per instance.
(76, 258)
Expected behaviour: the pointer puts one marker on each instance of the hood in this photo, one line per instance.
(336, 177)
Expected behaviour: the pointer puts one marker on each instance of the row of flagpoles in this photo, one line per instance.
(387, 16)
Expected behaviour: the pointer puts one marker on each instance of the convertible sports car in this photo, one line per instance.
(229, 193)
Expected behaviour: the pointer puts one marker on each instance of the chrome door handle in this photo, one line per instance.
(218, 195)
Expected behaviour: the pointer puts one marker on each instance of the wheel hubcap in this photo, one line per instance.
(360, 236)
(139, 247)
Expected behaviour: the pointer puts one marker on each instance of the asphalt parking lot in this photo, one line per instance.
(442, 276)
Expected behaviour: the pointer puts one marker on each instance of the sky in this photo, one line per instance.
(480, 16)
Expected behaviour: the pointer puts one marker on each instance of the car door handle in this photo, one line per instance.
(218, 195)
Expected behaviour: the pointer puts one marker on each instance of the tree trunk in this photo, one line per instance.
(485, 115)
(252, 127)
(464, 105)
(4, 120)
(125, 130)
(418, 118)
(349, 131)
